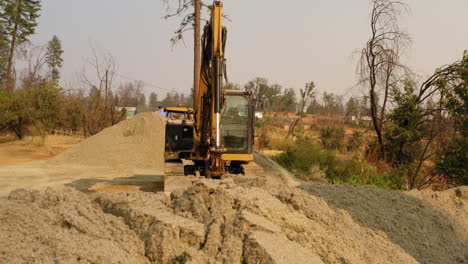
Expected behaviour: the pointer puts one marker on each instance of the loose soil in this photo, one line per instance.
(267, 218)
(136, 143)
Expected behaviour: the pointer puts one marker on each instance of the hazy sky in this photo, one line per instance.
(288, 42)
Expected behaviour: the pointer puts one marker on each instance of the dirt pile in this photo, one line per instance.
(134, 143)
(209, 223)
(430, 226)
(63, 227)
(236, 220)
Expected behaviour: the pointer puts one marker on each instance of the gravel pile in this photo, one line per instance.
(136, 143)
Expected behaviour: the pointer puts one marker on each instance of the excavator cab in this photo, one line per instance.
(237, 130)
(236, 124)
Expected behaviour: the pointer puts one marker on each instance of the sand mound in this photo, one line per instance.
(232, 222)
(63, 227)
(430, 234)
(208, 223)
(134, 143)
(235, 220)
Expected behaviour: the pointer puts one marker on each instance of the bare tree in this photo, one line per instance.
(380, 68)
(307, 94)
(34, 58)
(101, 111)
(191, 21)
(258, 88)
(129, 93)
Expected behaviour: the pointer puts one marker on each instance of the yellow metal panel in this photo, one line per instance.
(217, 28)
(178, 109)
(239, 157)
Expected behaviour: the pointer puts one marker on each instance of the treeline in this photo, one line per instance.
(36, 104)
(273, 98)
(31, 98)
(276, 98)
(171, 99)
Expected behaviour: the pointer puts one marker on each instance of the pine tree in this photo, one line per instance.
(168, 100)
(19, 21)
(142, 100)
(153, 101)
(54, 58)
(182, 100)
(189, 100)
(176, 99)
(3, 53)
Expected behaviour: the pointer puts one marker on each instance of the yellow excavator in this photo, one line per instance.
(220, 138)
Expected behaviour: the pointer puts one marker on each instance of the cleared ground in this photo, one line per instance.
(31, 149)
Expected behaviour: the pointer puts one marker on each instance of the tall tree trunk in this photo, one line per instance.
(377, 123)
(196, 51)
(9, 80)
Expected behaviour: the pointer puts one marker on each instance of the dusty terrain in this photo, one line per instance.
(31, 149)
(119, 153)
(268, 218)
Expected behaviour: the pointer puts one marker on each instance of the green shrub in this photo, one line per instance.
(358, 172)
(14, 112)
(395, 178)
(332, 138)
(453, 161)
(351, 171)
(283, 144)
(303, 156)
(355, 141)
(37, 106)
(306, 158)
(259, 124)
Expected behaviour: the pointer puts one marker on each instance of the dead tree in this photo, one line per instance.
(34, 58)
(380, 68)
(101, 109)
(191, 21)
(307, 94)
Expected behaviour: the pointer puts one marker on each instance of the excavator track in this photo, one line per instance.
(174, 177)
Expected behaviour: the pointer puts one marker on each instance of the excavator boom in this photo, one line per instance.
(223, 119)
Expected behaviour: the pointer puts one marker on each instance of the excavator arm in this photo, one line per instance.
(223, 119)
